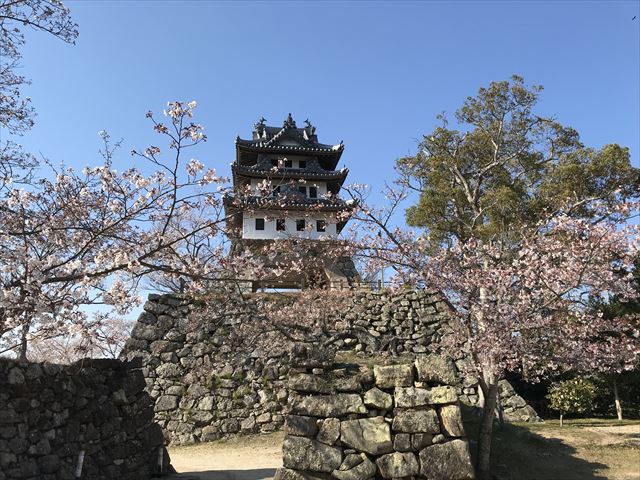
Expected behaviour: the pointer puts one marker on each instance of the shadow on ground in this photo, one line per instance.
(256, 474)
(519, 453)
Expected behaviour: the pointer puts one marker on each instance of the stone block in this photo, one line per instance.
(451, 421)
(355, 467)
(308, 383)
(146, 332)
(416, 421)
(411, 397)
(8, 416)
(352, 459)
(442, 395)
(378, 399)
(398, 465)
(49, 464)
(436, 369)
(349, 383)
(248, 424)
(166, 402)
(329, 431)
(290, 474)
(230, 425)
(264, 418)
(7, 459)
(15, 377)
(43, 447)
(302, 453)
(421, 440)
(328, 405)
(301, 426)
(402, 442)
(418, 397)
(370, 435)
(391, 376)
(206, 403)
(29, 468)
(446, 461)
(169, 370)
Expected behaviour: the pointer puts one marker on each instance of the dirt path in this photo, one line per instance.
(246, 458)
(587, 451)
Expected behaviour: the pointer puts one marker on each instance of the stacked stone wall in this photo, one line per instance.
(355, 423)
(205, 389)
(97, 410)
(415, 319)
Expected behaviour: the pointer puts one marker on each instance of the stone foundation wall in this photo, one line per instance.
(202, 388)
(50, 413)
(354, 423)
(205, 389)
(413, 319)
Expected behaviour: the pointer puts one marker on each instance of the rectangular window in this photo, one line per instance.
(281, 225)
(259, 223)
(288, 164)
(274, 162)
(313, 192)
(300, 224)
(321, 225)
(303, 190)
(276, 190)
(302, 164)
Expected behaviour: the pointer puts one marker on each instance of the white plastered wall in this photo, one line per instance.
(270, 232)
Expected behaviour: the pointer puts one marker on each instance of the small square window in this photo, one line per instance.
(274, 162)
(259, 223)
(313, 192)
(300, 225)
(321, 225)
(302, 164)
(303, 190)
(281, 225)
(288, 164)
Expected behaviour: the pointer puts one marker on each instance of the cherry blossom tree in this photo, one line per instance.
(521, 309)
(523, 224)
(89, 237)
(103, 335)
(16, 112)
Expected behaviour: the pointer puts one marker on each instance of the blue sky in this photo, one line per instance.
(374, 74)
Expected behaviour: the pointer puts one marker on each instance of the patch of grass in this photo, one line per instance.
(584, 449)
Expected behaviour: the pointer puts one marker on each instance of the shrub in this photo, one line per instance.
(572, 396)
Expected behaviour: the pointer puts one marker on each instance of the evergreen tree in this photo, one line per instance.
(505, 167)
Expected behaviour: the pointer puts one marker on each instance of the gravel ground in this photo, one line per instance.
(245, 458)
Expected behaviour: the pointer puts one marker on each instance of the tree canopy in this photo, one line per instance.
(504, 167)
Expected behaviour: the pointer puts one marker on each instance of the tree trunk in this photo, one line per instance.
(561, 421)
(499, 412)
(23, 343)
(483, 462)
(616, 398)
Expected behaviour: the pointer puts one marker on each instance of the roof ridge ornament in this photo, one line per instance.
(260, 126)
(289, 122)
(309, 130)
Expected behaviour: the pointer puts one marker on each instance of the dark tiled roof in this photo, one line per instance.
(256, 172)
(270, 138)
(285, 202)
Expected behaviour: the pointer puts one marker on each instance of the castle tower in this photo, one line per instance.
(287, 186)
